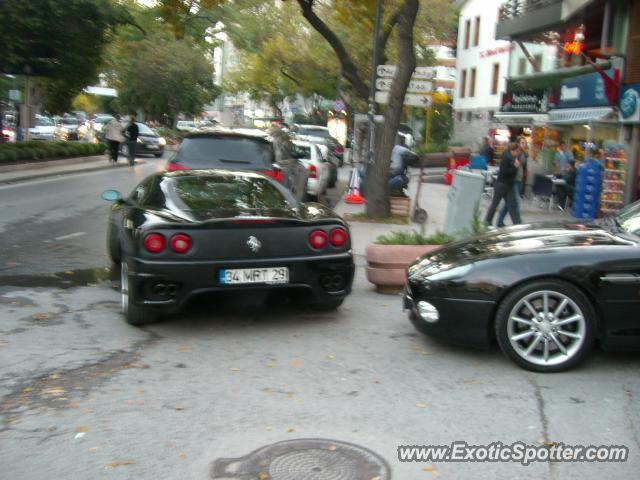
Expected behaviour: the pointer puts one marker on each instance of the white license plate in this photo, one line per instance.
(152, 147)
(270, 275)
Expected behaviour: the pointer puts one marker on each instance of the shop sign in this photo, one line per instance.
(529, 101)
(584, 91)
(630, 103)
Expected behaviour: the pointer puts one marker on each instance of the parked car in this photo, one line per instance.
(333, 167)
(44, 129)
(186, 126)
(67, 129)
(545, 292)
(185, 233)
(149, 142)
(318, 133)
(98, 123)
(311, 157)
(242, 150)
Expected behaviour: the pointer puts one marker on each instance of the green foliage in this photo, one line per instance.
(441, 123)
(414, 238)
(59, 41)
(41, 150)
(160, 75)
(432, 148)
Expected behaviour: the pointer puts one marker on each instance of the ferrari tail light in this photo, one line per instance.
(180, 243)
(175, 167)
(154, 242)
(338, 237)
(313, 171)
(318, 239)
(274, 173)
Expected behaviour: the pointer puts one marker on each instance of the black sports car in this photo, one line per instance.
(545, 292)
(185, 233)
(149, 142)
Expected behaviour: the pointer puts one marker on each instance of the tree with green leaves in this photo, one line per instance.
(60, 43)
(160, 75)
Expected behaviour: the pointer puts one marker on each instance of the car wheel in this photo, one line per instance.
(326, 305)
(113, 245)
(546, 326)
(132, 313)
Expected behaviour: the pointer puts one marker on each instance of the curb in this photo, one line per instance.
(25, 178)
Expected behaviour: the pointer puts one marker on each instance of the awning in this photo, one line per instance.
(551, 79)
(579, 115)
(521, 119)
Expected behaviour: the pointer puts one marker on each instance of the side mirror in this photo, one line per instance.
(111, 195)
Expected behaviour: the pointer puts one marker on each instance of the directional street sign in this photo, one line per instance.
(415, 86)
(410, 99)
(420, 73)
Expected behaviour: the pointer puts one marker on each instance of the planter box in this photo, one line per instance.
(386, 264)
(435, 159)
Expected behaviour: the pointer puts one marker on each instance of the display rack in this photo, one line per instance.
(615, 167)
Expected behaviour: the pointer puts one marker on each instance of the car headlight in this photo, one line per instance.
(450, 274)
(139, 141)
(162, 141)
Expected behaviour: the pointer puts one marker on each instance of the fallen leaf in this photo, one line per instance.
(268, 429)
(42, 316)
(54, 391)
(179, 407)
(331, 357)
(421, 405)
(429, 468)
(93, 449)
(184, 349)
(290, 394)
(290, 429)
(82, 429)
(375, 380)
(472, 381)
(263, 476)
(118, 463)
(234, 369)
(88, 410)
(54, 376)
(27, 390)
(271, 365)
(295, 363)
(183, 456)
(332, 448)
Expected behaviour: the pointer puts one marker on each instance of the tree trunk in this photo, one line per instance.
(378, 175)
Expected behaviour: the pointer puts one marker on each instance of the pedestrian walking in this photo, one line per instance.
(518, 183)
(504, 185)
(113, 134)
(131, 132)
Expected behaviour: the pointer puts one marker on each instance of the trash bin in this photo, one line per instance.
(464, 194)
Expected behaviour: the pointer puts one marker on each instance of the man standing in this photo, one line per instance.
(563, 155)
(566, 190)
(487, 150)
(504, 185)
(518, 182)
(131, 132)
(113, 134)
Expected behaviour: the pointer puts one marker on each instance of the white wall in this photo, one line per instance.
(482, 57)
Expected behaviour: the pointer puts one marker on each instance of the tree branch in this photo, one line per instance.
(293, 79)
(349, 69)
(386, 34)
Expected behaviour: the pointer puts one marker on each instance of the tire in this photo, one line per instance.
(326, 305)
(133, 314)
(537, 343)
(113, 245)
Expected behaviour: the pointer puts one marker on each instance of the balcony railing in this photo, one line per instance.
(512, 9)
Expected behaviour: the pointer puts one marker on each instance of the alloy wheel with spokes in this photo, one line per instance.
(545, 326)
(124, 287)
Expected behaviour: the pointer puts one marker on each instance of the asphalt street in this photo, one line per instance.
(84, 395)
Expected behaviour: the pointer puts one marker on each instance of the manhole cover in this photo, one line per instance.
(304, 459)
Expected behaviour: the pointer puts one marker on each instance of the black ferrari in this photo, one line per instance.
(180, 234)
(545, 292)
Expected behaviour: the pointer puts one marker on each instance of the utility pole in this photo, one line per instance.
(372, 88)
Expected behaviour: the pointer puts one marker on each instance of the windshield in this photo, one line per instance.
(629, 218)
(70, 121)
(144, 130)
(102, 119)
(227, 193)
(44, 122)
(314, 132)
(225, 152)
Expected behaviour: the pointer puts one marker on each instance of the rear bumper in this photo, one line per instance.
(195, 277)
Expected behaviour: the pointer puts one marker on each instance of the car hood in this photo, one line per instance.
(525, 239)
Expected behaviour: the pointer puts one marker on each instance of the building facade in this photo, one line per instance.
(482, 63)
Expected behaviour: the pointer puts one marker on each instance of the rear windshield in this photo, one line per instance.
(301, 151)
(314, 132)
(227, 192)
(233, 153)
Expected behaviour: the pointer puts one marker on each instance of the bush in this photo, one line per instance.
(414, 238)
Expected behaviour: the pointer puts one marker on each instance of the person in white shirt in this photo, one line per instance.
(113, 134)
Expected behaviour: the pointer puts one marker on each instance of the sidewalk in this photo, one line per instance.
(433, 198)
